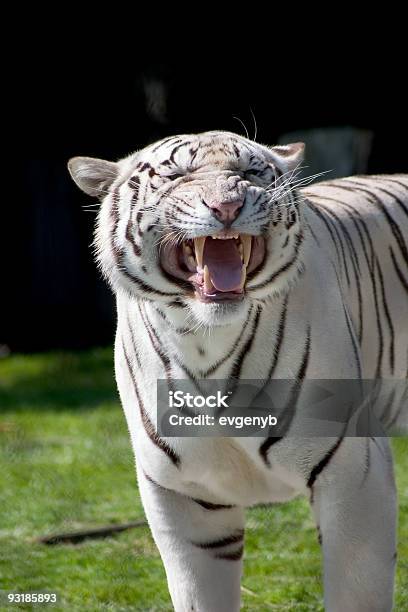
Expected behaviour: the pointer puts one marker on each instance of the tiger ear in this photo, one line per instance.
(288, 157)
(93, 176)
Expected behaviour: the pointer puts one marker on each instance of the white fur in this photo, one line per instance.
(354, 505)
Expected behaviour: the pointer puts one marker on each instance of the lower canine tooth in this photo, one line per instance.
(243, 277)
(207, 280)
(246, 242)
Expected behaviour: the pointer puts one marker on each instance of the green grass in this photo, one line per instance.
(66, 463)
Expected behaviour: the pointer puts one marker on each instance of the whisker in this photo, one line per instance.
(255, 125)
(243, 125)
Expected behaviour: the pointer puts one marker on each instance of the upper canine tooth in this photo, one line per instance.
(207, 280)
(246, 242)
(199, 249)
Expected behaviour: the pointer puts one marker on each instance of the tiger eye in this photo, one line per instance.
(254, 172)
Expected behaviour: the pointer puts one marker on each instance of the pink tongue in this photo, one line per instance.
(224, 263)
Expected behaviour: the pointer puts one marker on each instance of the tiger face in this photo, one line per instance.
(208, 222)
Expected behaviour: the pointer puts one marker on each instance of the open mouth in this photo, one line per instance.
(216, 266)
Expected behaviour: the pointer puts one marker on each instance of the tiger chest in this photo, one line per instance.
(225, 471)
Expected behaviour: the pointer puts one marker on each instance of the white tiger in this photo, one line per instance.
(223, 270)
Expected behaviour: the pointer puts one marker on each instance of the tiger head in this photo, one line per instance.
(209, 222)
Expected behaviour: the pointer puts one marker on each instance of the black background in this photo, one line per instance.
(98, 107)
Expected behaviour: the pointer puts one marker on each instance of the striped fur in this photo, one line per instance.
(329, 300)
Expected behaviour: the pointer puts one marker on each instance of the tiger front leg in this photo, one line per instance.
(354, 501)
(201, 546)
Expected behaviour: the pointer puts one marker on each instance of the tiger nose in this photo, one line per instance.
(226, 212)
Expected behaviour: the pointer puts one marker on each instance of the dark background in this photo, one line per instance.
(56, 297)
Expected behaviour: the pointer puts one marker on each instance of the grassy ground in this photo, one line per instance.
(66, 463)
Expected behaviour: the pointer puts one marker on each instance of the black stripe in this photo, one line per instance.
(306, 356)
(356, 215)
(193, 153)
(191, 376)
(119, 255)
(400, 408)
(290, 406)
(367, 462)
(388, 317)
(372, 271)
(231, 556)
(391, 222)
(379, 326)
(178, 330)
(384, 180)
(237, 367)
(132, 338)
(175, 149)
(289, 409)
(279, 338)
(351, 329)
(404, 281)
(266, 445)
(206, 505)
(134, 184)
(163, 142)
(129, 237)
(177, 303)
(156, 344)
(386, 415)
(153, 482)
(154, 339)
(148, 289)
(324, 462)
(363, 224)
(147, 424)
(353, 342)
(391, 179)
(284, 268)
(330, 226)
(230, 352)
(232, 539)
(356, 268)
(210, 506)
(396, 198)
(343, 253)
(314, 208)
(276, 352)
(353, 214)
(315, 238)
